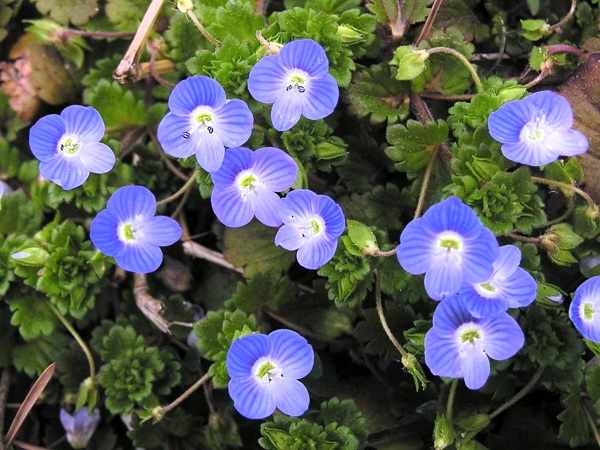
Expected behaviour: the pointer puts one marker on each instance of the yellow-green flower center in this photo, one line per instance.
(315, 226)
(264, 369)
(470, 336)
(450, 244)
(128, 232)
(69, 146)
(248, 181)
(588, 311)
(203, 118)
(487, 287)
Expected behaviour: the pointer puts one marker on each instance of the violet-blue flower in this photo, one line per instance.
(264, 372)
(68, 146)
(585, 309)
(246, 185)
(537, 130)
(80, 426)
(509, 286)
(312, 225)
(297, 82)
(459, 344)
(202, 122)
(129, 231)
(450, 245)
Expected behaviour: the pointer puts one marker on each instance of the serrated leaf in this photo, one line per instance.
(77, 12)
(117, 105)
(33, 316)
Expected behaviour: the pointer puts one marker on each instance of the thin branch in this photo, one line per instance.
(450, 98)
(426, 30)
(569, 187)
(203, 31)
(397, 24)
(451, 398)
(201, 252)
(172, 167)
(564, 48)
(425, 182)
(127, 68)
(272, 48)
(66, 33)
(149, 306)
(592, 424)
(188, 185)
(528, 239)
(383, 320)
(160, 411)
(557, 27)
(519, 395)
(463, 59)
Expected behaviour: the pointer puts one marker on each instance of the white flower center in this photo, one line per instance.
(202, 119)
(266, 370)
(69, 145)
(449, 241)
(487, 289)
(587, 311)
(311, 227)
(468, 336)
(297, 81)
(247, 183)
(128, 232)
(535, 130)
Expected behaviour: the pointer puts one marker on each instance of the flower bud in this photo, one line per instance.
(30, 257)
(443, 433)
(349, 34)
(80, 426)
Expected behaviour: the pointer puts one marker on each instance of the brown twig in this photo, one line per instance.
(260, 7)
(557, 27)
(449, 98)
(149, 306)
(397, 24)
(564, 48)
(127, 68)
(201, 252)
(4, 385)
(521, 238)
(65, 33)
(178, 173)
(426, 30)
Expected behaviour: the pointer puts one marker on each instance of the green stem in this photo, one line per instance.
(592, 424)
(425, 183)
(203, 31)
(86, 350)
(383, 320)
(463, 59)
(160, 411)
(451, 397)
(569, 187)
(519, 395)
(188, 184)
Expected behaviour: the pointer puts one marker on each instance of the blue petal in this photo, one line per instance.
(289, 237)
(452, 215)
(97, 157)
(234, 121)
(44, 136)
(503, 337)
(451, 314)
(286, 110)
(529, 153)
(291, 397)
(478, 257)
(196, 91)
(235, 161)
(480, 306)
(443, 278)
(244, 352)
(568, 143)
(476, 368)
(332, 215)
(83, 121)
(554, 107)
(317, 252)
(67, 421)
(506, 123)
(276, 169)
(267, 207)
(441, 353)
(139, 258)
(414, 251)
(171, 136)
(160, 231)
(267, 78)
(292, 352)
(229, 207)
(104, 234)
(210, 150)
(307, 55)
(588, 292)
(251, 399)
(130, 201)
(507, 261)
(299, 202)
(68, 173)
(519, 289)
(322, 97)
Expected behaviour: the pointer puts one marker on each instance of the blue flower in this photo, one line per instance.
(246, 185)
(264, 372)
(508, 287)
(80, 426)
(68, 146)
(450, 245)
(4, 189)
(537, 130)
(129, 231)
(297, 82)
(202, 122)
(459, 344)
(312, 225)
(585, 309)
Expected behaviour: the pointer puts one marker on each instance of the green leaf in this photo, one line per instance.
(117, 105)
(574, 427)
(534, 29)
(264, 289)
(33, 316)
(251, 248)
(18, 214)
(361, 235)
(126, 14)
(34, 356)
(412, 145)
(78, 12)
(592, 382)
(346, 413)
(409, 62)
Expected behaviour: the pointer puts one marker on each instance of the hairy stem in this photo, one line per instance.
(160, 411)
(383, 320)
(425, 182)
(519, 395)
(528, 239)
(86, 350)
(569, 187)
(426, 30)
(188, 185)
(461, 58)
(451, 397)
